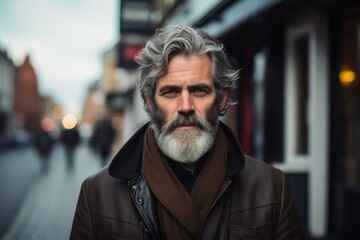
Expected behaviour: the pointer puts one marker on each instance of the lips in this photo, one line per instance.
(186, 122)
(186, 127)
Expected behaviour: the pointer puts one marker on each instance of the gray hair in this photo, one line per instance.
(171, 41)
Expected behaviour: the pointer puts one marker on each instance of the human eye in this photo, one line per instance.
(169, 93)
(200, 91)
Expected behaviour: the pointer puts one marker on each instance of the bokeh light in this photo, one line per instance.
(346, 77)
(69, 121)
(58, 112)
(47, 124)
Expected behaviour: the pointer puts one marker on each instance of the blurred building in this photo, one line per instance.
(104, 98)
(7, 76)
(298, 94)
(137, 21)
(27, 107)
(21, 105)
(47, 105)
(92, 105)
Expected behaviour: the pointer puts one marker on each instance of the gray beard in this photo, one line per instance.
(184, 146)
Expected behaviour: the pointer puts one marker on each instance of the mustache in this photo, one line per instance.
(184, 120)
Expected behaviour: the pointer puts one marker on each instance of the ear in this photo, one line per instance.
(223, 99)
(148, 103)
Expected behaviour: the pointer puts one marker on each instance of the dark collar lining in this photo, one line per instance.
(186, 177)
(127, 161)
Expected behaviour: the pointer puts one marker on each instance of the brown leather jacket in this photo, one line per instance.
(254, 203)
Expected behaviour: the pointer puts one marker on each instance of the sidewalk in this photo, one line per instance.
(48, 209)
(19, 169)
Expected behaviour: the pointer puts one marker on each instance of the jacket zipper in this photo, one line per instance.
(227, 185)
(133, 188)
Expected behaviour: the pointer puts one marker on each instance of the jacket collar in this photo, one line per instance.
(236, 157)
(127, 162)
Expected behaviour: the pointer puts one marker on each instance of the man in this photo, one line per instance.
(103, 138)
(183, 175)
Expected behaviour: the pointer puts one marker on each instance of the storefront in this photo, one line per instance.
(345, 123)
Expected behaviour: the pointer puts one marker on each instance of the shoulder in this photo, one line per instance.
(106, 204)
(101, 184)
(261, 182)
(254, 166)
(262, 201)
(105, 193)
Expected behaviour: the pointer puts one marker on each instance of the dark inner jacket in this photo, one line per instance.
(186, 177)
(254, 203)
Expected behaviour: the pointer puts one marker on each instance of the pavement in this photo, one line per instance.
(18, 170)
(47, 199)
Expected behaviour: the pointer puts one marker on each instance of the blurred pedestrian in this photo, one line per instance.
(70, 138)
(103, 138)
(43, 143)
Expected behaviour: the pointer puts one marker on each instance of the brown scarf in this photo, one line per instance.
(181, 214)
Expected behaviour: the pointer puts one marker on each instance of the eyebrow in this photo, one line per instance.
(190, 88)
(167, 87)
(202, 86)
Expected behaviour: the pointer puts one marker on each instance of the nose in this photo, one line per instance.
(185, 103)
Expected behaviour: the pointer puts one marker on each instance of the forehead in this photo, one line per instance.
(188, 70)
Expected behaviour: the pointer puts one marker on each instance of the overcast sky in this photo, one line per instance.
(65, 40)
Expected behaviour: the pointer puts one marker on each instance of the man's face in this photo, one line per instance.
(186, 113)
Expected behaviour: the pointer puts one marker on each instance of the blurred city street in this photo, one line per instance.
(75, 83)
(38, 204)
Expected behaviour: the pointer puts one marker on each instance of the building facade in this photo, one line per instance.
(7, 76)
(27, 105)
